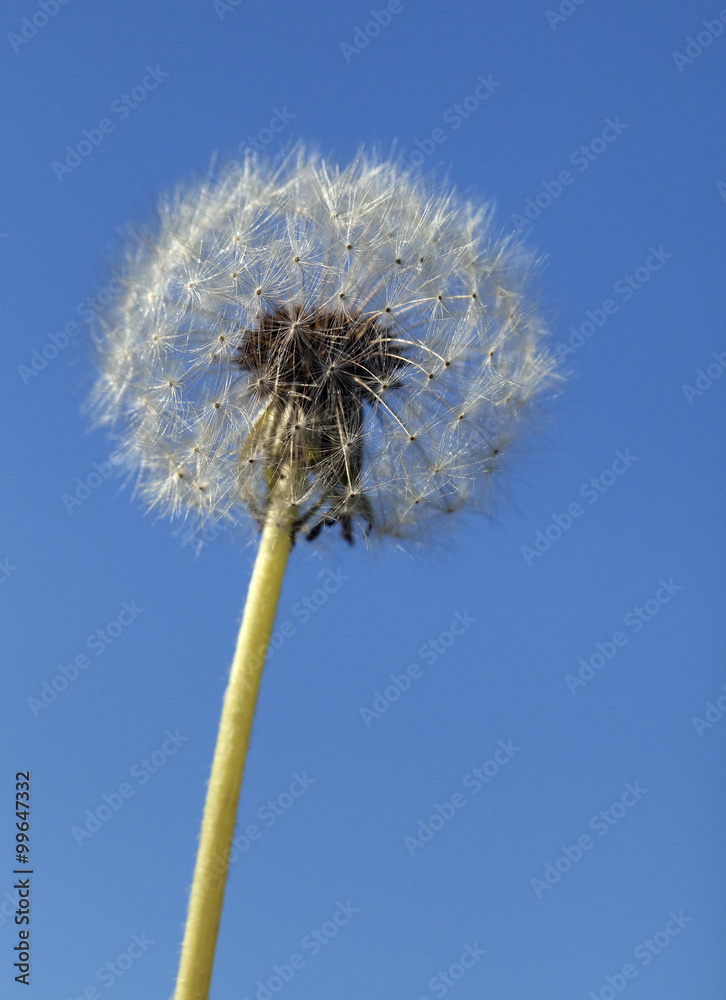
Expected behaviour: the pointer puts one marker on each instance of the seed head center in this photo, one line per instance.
(321, 360)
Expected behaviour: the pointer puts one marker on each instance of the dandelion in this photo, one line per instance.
(304, 349)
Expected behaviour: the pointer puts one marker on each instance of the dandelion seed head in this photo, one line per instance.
(355, 343)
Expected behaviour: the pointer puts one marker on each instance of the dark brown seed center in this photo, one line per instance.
(321, 359)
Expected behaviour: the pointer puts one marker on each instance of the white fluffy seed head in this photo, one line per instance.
(356, 344)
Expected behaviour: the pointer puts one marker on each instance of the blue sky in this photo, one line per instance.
(585, 683)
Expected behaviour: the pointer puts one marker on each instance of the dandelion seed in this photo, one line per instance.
(305, 366)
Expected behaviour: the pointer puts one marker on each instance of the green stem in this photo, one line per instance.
(220, 808)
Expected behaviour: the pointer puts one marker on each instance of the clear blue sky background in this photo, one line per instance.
(67, 575)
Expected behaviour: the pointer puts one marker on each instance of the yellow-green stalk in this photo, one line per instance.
(220, 808)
